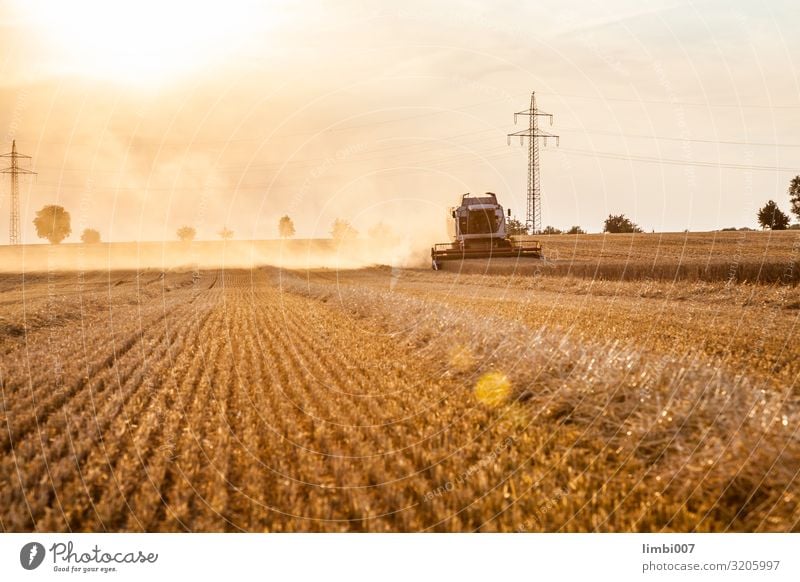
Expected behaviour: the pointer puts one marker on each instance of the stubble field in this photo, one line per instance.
(389, 399)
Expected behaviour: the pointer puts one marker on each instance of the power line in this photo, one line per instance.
(642, 159)
(676, 162)
(471, 158)
(679, 139)
(679, 103)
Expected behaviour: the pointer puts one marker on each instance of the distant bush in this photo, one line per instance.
(90, 236)
(341, 230)
(616, 223)
(794, 196)
(285, 227)
(186, 233)
(772, 217)
(576, 230)
(551, 230)
(515, 227)
(53, 223)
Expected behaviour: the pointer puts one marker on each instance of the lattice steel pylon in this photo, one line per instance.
(533, 214)
(15, 233)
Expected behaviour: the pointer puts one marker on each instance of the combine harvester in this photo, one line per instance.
(478, 231)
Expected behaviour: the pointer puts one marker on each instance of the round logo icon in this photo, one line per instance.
(31, 555)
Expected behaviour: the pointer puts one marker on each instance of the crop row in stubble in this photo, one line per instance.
(665, 441)
(262, 401)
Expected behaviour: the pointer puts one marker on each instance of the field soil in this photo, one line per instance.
(390, 399)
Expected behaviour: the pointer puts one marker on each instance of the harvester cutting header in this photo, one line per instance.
(478, 230)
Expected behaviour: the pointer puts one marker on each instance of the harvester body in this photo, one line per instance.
(478, 230)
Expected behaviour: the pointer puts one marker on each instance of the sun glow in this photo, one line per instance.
(141, 41)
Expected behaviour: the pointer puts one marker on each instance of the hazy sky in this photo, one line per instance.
(145, 115)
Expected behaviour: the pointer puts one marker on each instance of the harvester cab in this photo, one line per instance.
(477, 229)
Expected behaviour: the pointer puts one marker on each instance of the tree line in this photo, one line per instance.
(53, 223)
(772, 217)
(615, 223)
(769, 217)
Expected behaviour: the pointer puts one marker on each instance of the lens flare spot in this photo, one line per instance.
(493, 388)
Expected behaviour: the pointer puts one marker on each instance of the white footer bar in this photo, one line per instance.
(390, 557)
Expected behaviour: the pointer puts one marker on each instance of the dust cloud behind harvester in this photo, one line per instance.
(289, 254)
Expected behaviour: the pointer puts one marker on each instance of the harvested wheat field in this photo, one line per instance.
(734, 257)
(387, 399)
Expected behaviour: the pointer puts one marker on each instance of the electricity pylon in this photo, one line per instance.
(533, 215)
(15, 234)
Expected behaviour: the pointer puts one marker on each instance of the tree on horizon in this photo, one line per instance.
(186, 233)
(285, 227)
(619, 223)
(771, 217)
(794, 196)
(53, 223)
(342, 230)
(90, 236)
(515, 227)
(226, 233)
